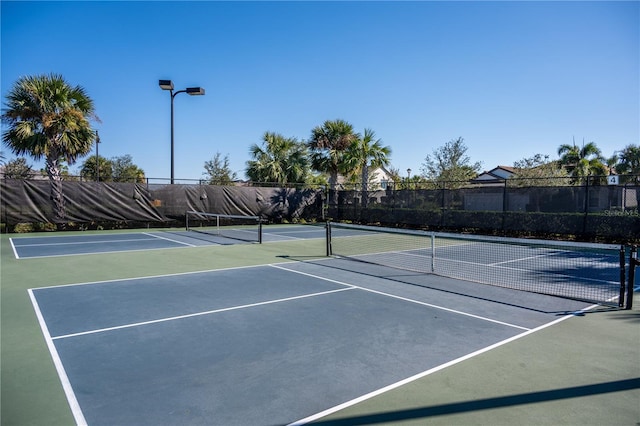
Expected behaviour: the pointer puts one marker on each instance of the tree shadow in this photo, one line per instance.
(486, 404)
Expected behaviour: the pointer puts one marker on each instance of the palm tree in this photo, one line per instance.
(328, 145)
(582, 162)
(629, 162)
(367, 152)
(49, 118)
(278, 159)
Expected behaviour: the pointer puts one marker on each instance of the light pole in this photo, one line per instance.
(408, 178)
(97, 158)
(193, 91)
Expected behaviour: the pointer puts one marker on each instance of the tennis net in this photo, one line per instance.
(238, 227)
(581, 271)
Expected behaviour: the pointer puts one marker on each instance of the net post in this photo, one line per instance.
(328, 237)
(433, 252)
(259, 231)
(633, 262)
(186, 220)
(621, 298)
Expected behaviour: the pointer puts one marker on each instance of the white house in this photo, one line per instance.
(379, 179)
(495, 175)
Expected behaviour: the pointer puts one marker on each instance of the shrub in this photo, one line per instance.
(22, 228)
(47, 226)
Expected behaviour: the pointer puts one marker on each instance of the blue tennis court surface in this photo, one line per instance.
(68, 245)
(274, 344)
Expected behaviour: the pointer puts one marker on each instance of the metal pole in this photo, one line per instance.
(172, 96)
(623, 278)
(97, 157)
(633, 262)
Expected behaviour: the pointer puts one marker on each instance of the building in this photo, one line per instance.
(495, 175)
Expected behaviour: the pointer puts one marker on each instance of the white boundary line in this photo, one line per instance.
(13, 247)
(107, 241)
(71, 243)
(85, 243)
(197, 314)
(169, 239)
(102, 252)
(428, 372)
(149, 276)
(442, 308)
(62, 374)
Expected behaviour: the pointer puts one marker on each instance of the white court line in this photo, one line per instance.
(215, 311)
(169, 239)
(284, 234)
(100, 252)
(153, 238)
(525, 258)
(62, 374)
(147, 277)
(85, 242)
(509, 268)
(429, 372)
(281, 235)
(442, 308)
(308, 231)
(127, 240)
(13, 247)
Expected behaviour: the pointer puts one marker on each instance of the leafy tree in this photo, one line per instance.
(450, 164)
(278, 159)
(218, 171)
(629, 162)
(328, 145)
(364, 153)
(18, 169)
(125, 171)
(49, 118)
(89, 170)
(581, 162)
(538, 171)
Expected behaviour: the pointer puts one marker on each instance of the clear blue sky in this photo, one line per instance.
(512, 78)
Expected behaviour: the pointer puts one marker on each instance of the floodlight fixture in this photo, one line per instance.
(193, 91)
(166, 84)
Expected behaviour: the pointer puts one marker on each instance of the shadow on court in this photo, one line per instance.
(486, 404)
(461, 288)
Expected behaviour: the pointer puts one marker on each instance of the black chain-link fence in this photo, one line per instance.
(594, 208)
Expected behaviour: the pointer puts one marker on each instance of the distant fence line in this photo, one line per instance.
(99, 204)
(591, 208)
(588, 209)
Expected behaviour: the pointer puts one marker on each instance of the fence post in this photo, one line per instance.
(633, 262)
(504, 204)
(328, 237)
(444, 206)
(586, 206)
(623, 292)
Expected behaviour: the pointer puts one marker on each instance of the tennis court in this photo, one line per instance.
(279, 333)
(77, 244)
(282, 342)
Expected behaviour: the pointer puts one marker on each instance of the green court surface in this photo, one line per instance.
(582, 369)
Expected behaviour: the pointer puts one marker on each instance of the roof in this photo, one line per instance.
(497, 173)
